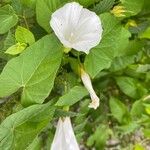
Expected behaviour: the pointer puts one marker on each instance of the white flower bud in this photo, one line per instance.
(64, 138)
(88, 85)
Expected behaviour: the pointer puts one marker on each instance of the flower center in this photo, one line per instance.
(71, 37)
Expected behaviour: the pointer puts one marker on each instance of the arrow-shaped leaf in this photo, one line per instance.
(34, 71)
(20, 129)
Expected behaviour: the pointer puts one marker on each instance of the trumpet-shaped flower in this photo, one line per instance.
(64, 138)
(77, 27)
(88, 85)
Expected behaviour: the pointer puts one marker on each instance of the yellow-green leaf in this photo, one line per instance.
(16, 49)
(23, 35)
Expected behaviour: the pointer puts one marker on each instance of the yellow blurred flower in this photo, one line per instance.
(118, 11)
(131, 23)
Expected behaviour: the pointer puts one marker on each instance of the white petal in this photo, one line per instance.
(77, 27)
(88, 85)
(64, 138)
(95, 101)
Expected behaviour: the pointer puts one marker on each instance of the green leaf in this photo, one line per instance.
(142, 68)
(24, 8)
(103, 6)
(132, 7)
(129, 128)
(8, 18)
(85, 3)
(23, 35)
(114, 39)
(138, 147)
(146, 7)
(35, 145)
(145, 34)
(34, 71)
(122, 62)
(96, 139)
(147, 108)
(72, 97)
(9, 41)
(29, 3)
(146, 133)
(16, 49)
(134, 46)
(137, 109)
(43, 14)
(44, 10)
(131, 87)
(19, 130)
(79, 129)
(119, 110)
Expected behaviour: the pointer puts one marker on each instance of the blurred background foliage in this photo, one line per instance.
(122, 122)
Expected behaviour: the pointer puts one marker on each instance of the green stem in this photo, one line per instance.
(66, 108)
(26, 23)
(25, 20)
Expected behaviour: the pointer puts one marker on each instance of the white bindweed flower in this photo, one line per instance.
(88, 85)
(77, 27)
(64, 138)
